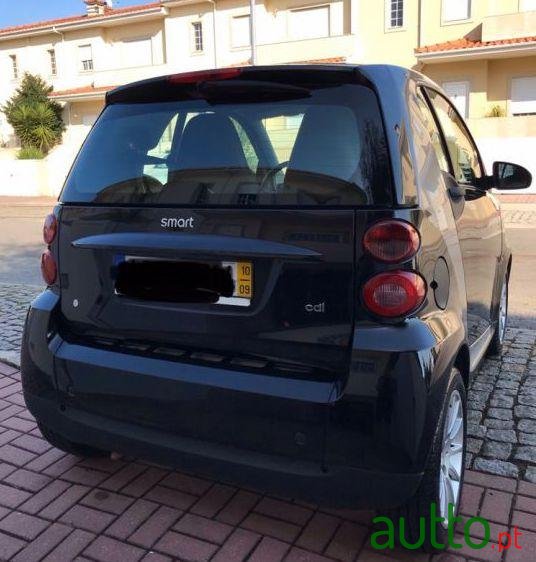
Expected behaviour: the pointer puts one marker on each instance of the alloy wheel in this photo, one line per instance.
(503, 312)
(450, 473)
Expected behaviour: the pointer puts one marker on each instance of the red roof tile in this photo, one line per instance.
(78, 19)
(329, 60)
(82, 90)
(465, 43)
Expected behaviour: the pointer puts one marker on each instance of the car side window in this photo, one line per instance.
(463, 152)
(427, 120)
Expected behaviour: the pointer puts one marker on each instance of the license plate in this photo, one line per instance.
(242, 273)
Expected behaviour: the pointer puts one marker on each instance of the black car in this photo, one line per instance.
(278, 276)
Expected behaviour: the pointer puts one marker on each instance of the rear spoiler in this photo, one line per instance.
(267, 79)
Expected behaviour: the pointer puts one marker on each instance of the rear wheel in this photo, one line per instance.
(67, 446)
(496, 344)
(443, 477)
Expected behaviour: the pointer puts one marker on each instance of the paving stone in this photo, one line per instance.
(502, 402)
(527, 438)
(526, 453)
(474, 445)
(474, 416)
(499, 424)
(525, 412)
(497, 450)
(528, 426)
(501, 468)
(530, 474)
(503, 435)
(475, 430)
(500, 413)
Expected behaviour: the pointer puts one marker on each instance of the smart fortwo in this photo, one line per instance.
(281, 277)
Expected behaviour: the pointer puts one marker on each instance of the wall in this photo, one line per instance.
(511, 139)
(25, 178)
(378, 44)
(474, 72)
(501, 72)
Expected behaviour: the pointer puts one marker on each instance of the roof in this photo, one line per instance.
(329, 60)
(109, 12)
(464, 43)
(83, 91)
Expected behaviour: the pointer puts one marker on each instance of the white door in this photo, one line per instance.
(523, 97)
(458, 92)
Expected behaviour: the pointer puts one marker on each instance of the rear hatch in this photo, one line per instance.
(211, 220)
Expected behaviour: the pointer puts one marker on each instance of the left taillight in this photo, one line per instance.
(49, 267)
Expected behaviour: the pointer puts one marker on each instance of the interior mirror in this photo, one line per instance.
(510, 176)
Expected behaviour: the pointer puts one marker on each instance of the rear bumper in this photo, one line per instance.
(339, 486)
(367, 437)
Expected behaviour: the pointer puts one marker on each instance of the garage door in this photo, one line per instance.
(523, 101)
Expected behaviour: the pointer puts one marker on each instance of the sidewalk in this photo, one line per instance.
(59, 507)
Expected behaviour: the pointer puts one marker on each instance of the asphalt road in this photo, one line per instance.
(21, 246)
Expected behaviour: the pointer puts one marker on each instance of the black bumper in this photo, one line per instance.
(335, 487)
(367, 437)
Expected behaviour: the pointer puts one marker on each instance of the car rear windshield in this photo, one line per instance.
(322, 146)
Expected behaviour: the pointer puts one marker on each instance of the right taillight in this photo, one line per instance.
(49, 269)
(394, 294)
(391, 241)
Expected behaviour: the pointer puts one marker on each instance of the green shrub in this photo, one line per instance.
(30, 153)
(36, 119)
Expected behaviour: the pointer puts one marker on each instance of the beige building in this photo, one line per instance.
(483, 52)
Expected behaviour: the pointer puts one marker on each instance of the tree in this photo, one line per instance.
(35, 118)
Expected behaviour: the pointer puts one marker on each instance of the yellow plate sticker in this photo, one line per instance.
(244, 279)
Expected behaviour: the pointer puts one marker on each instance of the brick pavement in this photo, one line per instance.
(58, 507)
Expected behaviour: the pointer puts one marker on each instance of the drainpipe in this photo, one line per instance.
(419, 24)
(214, 35)
(252, 32)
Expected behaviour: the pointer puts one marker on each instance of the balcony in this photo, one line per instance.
(509, 26)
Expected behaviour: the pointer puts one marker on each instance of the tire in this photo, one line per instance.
(496, 344)
(67, 446)
(428, 492)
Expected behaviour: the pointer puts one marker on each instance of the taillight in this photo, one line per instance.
(49, 269)
(391, 241)
(50, 229)
(394, 293)
(204, 75)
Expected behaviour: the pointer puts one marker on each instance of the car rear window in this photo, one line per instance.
(324, 146)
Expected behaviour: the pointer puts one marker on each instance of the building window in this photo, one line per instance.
(86, 58)
(527, 5)
(197, 36)
(308, 23)
(53, 65)
(14, 67)
(456, 10)
(523, 96)
(394, 13)
(137, 52)
(240, 36)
